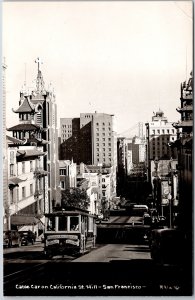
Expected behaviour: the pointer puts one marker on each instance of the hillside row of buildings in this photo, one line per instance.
(38, 165)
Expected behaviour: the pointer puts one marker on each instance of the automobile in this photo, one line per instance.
(147, 220)
(27, 237)
(11, 238)
(167, 246)
(5, 239)
(162, 221)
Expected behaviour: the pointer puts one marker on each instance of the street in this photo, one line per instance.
(110, 269)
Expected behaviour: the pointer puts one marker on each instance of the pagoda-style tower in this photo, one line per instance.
(38, 126)
(184, 148)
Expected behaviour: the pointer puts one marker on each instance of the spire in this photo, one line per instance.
(40, 83)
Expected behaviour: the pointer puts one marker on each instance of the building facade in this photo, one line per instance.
(37, 113)
(159, 134)
(138, 150)
(26, 186)
(4, 153)
(184, 148)
(68, 174)
(91, 140)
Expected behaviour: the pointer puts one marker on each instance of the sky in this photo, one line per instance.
(126, 58)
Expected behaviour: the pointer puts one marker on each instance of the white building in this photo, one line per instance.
(26, 186)
(68, 174)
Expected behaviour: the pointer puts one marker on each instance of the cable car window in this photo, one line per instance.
(74, 223)
(86, 223)
(62, 223)
(51, 223)
(90, 225)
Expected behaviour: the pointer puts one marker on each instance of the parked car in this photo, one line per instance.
(11, 238)
(5, 239)
(167, 246)
(162, 221)
(27, 237)
(147, 220)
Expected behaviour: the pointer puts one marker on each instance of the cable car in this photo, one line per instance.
(71, 231)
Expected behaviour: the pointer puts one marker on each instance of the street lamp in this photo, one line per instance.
(170, 212)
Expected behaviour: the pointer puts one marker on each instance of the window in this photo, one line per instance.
(173, 131)
(103, 139)
(11, 170)
(11, 196)
(31, 189)
(167, 130)
(62, 223)
(103, 124)
(104, 144)
(97, 149)
(109, 149)
(90, 225)
(103, 134)
(153, 131)
(103, 180)
(109, 144)
(51, 223)
(97, 134)
(103, 128)
(97, 144)
(23, 167)
(11, 157)
(74, 223)
(109, 139)
(158, 131)
(104, 149)
(62, 184)
(163, 131)
(23, 192)
(97, 139)
(31, 166)
(97, 124)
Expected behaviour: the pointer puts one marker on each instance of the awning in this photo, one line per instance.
(29, 153)
(24, 220)
(15, 180)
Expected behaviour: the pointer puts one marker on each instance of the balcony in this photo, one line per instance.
(39, 172)
(183, 124)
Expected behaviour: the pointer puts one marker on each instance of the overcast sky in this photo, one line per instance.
(123, 58)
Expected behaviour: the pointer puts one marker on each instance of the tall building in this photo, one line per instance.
(122, 154)
(5, 166)
(91, 139)
(37, 113)
(184, 148)
(138, 150)
(159, 133)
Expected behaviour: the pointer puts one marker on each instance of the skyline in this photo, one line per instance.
(109, 57)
